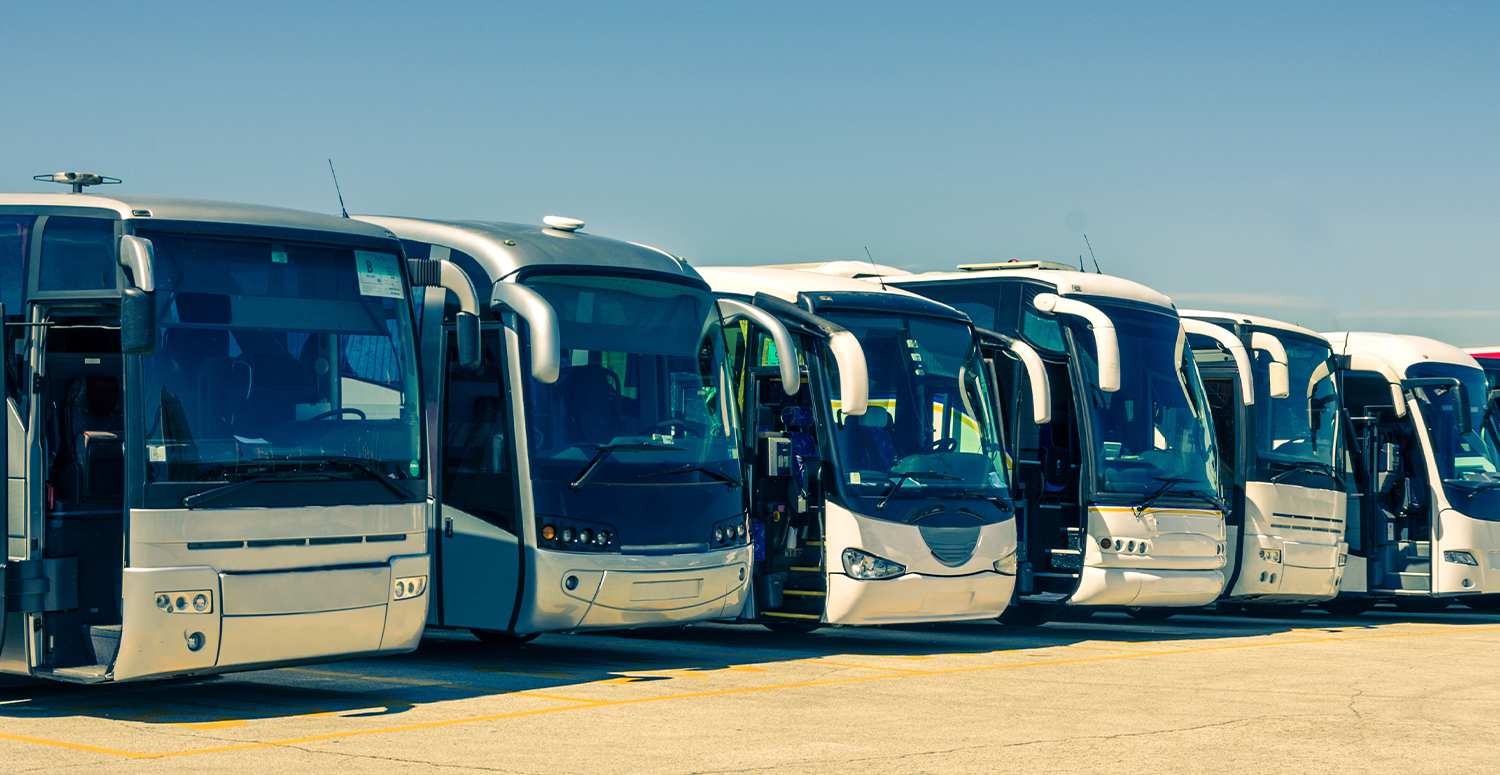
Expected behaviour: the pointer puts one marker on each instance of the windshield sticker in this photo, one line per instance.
(379, 275)
(278, 256)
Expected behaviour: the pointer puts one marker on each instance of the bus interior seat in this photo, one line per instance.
(586, 405)
(875, 426)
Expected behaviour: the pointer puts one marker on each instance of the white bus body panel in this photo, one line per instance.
(929, 591)
(1181, 567)
(1458, 532)
(614, 591)
(1307, 526)
(261, 611)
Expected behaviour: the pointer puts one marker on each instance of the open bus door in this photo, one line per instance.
(12, 468)
(1394, 507)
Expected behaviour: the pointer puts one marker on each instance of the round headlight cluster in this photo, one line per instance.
(569, 535)
(718, 535)
(1124, 545)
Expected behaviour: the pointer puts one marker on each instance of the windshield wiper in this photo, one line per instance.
(1167, 484)
(1311, 468)
(712, 472)
(1000, 503)
(604, 452)
(306, 469)
(902, 479)
(1478, 487)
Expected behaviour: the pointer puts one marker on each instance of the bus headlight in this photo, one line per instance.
(1462, 558)
(196, 601)
(1006, 564)
(409, 587)
(868, 567)
(1271, 555)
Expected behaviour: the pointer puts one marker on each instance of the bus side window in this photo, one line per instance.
(15, 244)
(78, 254)
(478, 475)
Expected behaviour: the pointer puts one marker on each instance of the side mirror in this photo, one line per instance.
(467, 326)
(1106, 345)
(137, 322)
(137, 255)
(1276, 371)
(791, 378)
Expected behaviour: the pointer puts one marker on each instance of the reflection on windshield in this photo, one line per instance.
(1156, 426)
(279, 350)
(641, 372)
(930, 415)
(1299, 428)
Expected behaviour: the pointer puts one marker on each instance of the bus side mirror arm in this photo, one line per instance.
(1106, 344)
(466, 322)
(138, 255)
(1236, 349)
(546, 351)
(786, 353)
(1281, 381)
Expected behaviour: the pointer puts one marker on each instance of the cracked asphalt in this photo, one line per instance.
(1196, 693)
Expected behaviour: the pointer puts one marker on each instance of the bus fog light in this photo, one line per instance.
(570, 583)
(868, 567)
(1467, 583)
(1462, 558)
(1271, 555)
(1343, 559)
(408, 587)
(1006, 564)
(195, 641)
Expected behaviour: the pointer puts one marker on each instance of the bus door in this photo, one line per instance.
(14, 469)
(479, 533)
(1395, 503)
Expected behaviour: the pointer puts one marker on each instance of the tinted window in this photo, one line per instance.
(78, 254)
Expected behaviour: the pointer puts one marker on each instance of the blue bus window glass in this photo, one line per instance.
(78, 254)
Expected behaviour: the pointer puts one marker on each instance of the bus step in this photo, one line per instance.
(82, 674)
(805, 569)
(780, 615)
(804, 593)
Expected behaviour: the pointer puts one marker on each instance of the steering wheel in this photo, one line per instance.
(337, 412)
(941, 445)
(688, 429)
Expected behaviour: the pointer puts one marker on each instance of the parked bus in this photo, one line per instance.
(1271, 393)
(213, 438)
(879, 486)
(1120, 480)
(588, 474)
(1424, 489)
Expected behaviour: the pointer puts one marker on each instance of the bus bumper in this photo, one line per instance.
(1147, 587)
(916, 597)
(571, 591)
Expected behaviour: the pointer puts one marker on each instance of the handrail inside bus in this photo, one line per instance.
(546, 352)
(1236, 350)
(1105, 342)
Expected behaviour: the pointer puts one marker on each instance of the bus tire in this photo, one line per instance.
(502, 638)
(791, 628)
(1150, 613)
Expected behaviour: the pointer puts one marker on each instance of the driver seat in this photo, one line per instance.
(586, 402)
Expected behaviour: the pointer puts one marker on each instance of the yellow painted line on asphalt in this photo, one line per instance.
(724, 693)
(865, 667)
(433, 684)
(1113, 649)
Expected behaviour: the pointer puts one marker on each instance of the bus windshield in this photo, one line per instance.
(278, 351)
(1154, 431)
(1298, 429)
(640, 398)
(930, 430)
(1466, 462)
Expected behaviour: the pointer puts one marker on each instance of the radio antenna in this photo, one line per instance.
(1091, 255)
(336, 189)
(874, 268)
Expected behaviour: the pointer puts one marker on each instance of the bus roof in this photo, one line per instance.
(842, 292)
(1065, 282)
(1400, 351)
(1249, 320)
(502, 249)
(143, 208)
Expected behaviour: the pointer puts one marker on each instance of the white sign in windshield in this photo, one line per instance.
(379, 275)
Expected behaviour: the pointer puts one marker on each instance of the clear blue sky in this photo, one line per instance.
(1333, 164)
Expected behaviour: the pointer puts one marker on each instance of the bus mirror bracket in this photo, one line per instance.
(1458, 396)
(786, 354)
(137, 322)
(546, 352)
(1281, 381)
(1236, 350)
(137, 254)
(1105, 342)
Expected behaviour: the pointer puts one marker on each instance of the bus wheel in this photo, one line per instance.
(1347, 606)
(1422, 605)
(1483, 602)
(792, 627)
(502, 638)
(1027, 614)
(1270, 611)
(1150, 613)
